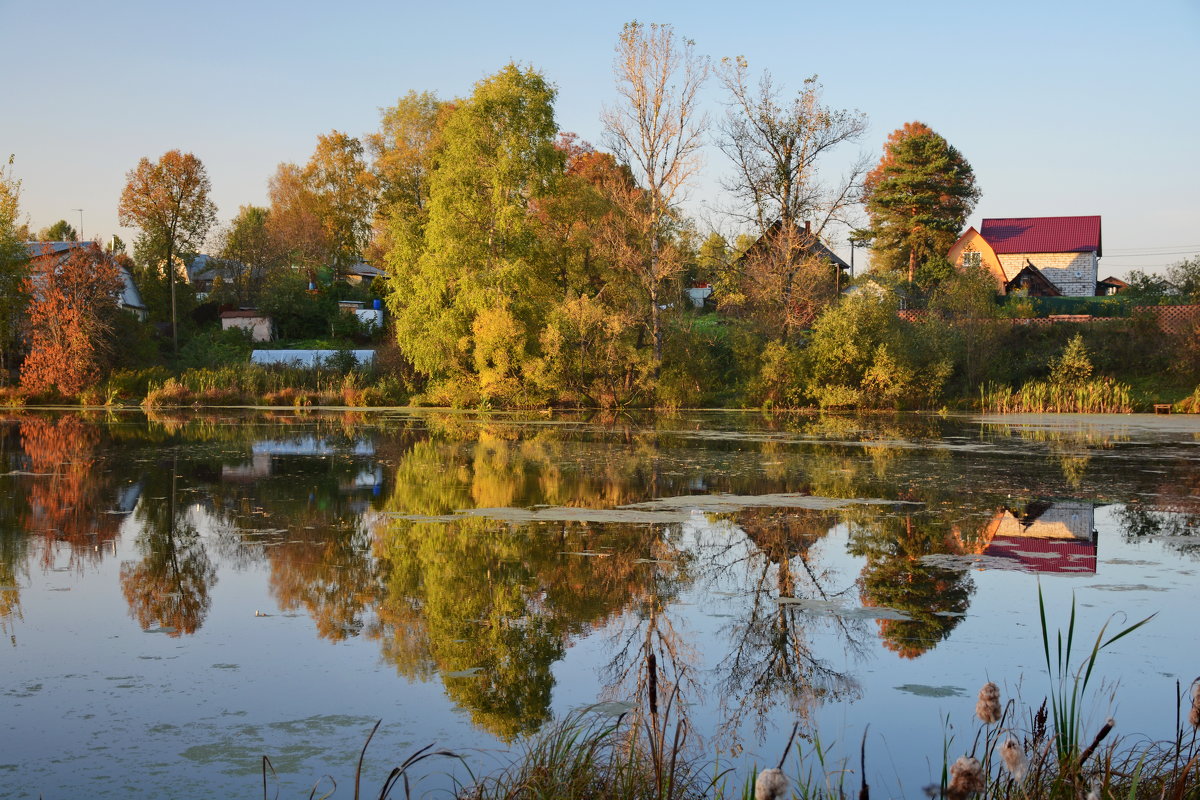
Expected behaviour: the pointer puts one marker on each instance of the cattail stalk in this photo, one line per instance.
(988, 707)
(966, 778)
(1014, 759)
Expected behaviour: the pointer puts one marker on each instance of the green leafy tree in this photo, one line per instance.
(965, 302)
(344, 189)
(61, 231)
(168, 200)
(918, 197)
(14, 268)
(248, 241)
(862, 354)
(472, 304)
(1073, 367)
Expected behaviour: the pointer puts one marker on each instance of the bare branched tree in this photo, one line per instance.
(657, 130)
(776, 148)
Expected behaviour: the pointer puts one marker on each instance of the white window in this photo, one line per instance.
(972, 258)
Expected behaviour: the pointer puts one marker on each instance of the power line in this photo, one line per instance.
(1166, 250)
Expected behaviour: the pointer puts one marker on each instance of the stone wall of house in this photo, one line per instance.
(1073, 273)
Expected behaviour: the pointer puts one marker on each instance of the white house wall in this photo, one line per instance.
(1073, 273)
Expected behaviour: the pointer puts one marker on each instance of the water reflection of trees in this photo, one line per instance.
(772, 654)
(934, 599)
(491, 607)
(170, 587)
(69, 492)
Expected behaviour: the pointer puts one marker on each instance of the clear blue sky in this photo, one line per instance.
(1062, 107)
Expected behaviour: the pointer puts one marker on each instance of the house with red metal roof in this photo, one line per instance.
(1041, 256)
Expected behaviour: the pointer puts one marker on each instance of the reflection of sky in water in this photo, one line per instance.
(95, 705)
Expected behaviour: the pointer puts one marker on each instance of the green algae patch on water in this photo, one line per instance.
(921, 690)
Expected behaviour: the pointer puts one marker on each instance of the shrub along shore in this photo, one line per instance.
(861, 353)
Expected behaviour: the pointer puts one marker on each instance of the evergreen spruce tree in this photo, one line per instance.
(918, 197)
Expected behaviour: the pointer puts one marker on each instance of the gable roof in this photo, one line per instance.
(815, 247)
(1043, 234)
(1034, 281)
(130, 296)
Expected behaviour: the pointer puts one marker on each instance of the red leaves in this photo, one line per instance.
(74, 297)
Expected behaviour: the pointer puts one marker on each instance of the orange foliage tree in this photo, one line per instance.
(74, 301)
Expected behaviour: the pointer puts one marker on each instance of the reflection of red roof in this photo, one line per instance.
(1046, 555)
(1042, 234)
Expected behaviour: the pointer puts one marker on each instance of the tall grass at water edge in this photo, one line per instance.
(1100, 396)
(1043, 753)
(275, 385)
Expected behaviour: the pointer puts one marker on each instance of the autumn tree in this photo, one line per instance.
(471, 305)
(918, 198)
(294, 221)
(321, 212)
(777, 147)
(401, 160)
(657, 130)
(61, 231)
(338, 177)
(168, 200)
(14, 268)
(71, 313)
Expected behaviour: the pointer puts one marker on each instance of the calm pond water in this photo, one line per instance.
(183, 594)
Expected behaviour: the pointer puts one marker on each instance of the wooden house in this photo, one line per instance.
(1040, 256)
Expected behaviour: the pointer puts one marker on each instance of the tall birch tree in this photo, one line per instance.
(657, 129)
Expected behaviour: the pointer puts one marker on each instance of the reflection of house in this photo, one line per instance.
(259, 466)
(1040, 256)
(43, 255)
(1047, 537)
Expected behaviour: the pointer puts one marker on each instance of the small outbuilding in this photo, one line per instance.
(259, 325)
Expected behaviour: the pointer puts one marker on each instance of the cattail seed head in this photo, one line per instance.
(988, 707)
(1014, 759)
(1094, 792)
(966, 778)
(1194, 714)
(771, 784)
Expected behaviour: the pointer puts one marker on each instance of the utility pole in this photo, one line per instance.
(80, 210)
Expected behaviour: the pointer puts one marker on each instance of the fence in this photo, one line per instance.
(1170, 319)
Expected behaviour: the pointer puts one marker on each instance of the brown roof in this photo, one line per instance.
(243, 313)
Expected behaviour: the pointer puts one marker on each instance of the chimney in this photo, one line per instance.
(808, 227)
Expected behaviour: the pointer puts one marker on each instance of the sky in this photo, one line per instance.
(1062, 108)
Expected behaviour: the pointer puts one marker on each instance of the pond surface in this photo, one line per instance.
(184, 594)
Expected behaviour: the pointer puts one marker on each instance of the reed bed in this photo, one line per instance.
(276, 386)
(1099, 396)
